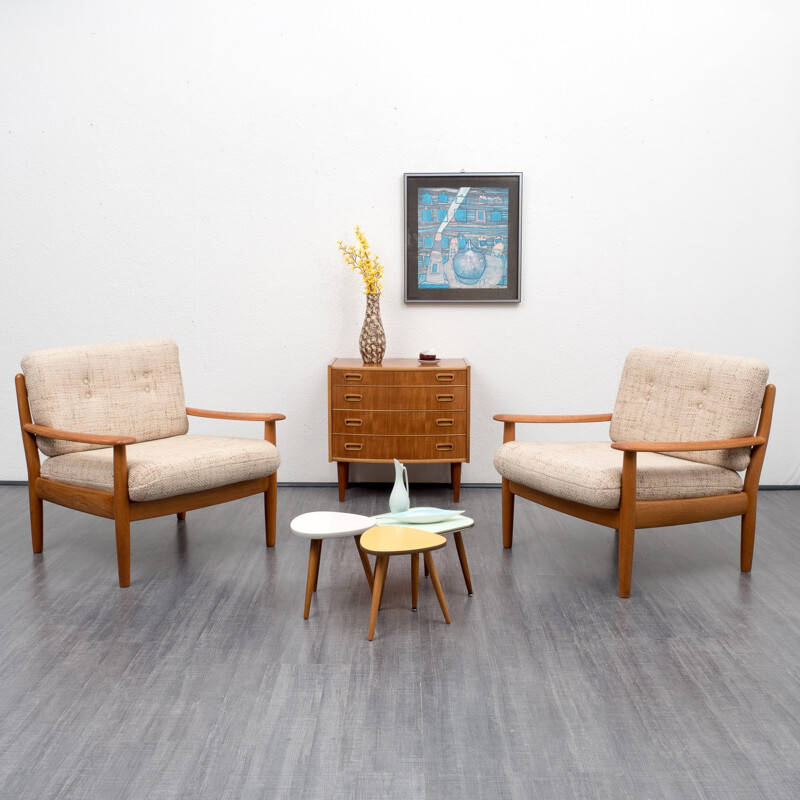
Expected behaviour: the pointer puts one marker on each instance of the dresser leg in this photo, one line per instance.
(343, 474)
(455, 479)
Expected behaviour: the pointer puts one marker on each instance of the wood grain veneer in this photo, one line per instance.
(398, 409)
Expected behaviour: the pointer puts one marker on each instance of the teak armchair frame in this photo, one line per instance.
(117, 505)
(633, 513)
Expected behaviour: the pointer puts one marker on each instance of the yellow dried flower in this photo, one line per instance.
(361, 260)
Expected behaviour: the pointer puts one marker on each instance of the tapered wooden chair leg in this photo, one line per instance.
(37, 520)
(122, 515)
(381, 565)
(508, 514)
(748, 538)
(271, 509)
(625, 560)
(122, 528)
(437, 586)
(627, 523)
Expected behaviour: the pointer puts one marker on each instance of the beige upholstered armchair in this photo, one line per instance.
(112, 421)
(682, 431)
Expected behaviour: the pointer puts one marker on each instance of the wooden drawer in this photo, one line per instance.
(387, 398)
(424, 376)
(346, 447)
(387, 423)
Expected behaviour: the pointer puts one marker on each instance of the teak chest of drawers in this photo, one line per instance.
(398, 409)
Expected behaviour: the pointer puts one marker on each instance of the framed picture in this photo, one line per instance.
(462, 237)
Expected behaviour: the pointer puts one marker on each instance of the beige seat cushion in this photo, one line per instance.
(591, 473)
(168, 467)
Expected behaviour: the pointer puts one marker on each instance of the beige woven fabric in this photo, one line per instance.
(126, 388)
(591, 473)
(168, 467)
(685, 396)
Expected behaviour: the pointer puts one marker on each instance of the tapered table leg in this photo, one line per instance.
(319, 558)
(462, 557)
(364, 561)
(313, 570)
(437, 586)
(381, 565)
(414, 580)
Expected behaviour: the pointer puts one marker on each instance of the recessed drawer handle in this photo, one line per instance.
(447, 446)
(353, 398)
(445, 398)
(445, 377)
(353, 422)
(352, 446)
(444, 423)
(353, 376)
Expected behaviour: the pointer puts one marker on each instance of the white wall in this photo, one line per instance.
(185, 168)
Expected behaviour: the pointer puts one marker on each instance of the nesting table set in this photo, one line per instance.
(382, 538)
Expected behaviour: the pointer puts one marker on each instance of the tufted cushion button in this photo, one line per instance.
(147, 388)
(699, 405)
(86, 380)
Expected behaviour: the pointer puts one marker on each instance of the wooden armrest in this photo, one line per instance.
(682, 447)
(73, 436)
(552, 417)
(509, 420)
(255, 417)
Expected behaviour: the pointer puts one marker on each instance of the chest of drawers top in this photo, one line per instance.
(398, 372)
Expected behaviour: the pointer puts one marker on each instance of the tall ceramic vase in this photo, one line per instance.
(399, 500)
(372, 341)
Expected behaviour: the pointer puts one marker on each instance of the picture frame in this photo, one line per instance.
(462, 237)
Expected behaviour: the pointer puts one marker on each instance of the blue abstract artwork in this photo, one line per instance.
(463, 237)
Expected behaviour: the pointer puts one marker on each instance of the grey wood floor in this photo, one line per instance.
(203, 680)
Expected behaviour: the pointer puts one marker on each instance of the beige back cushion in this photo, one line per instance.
(684, 396)
(126, 388)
